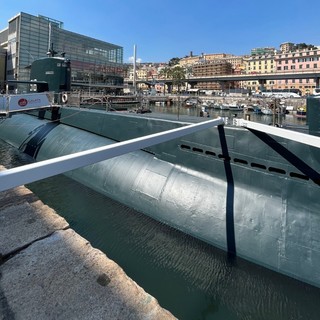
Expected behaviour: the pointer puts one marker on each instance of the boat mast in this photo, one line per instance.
(134, 69)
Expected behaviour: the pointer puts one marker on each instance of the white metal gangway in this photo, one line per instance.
(308, 139)
(14, 103)
(36, 171)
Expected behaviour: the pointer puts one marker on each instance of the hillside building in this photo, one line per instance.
(257, 64)
(263, 51)
(298, 61)
(286, 47)
(211, 68)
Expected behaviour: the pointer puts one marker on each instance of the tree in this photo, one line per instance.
(301, 46)
(165, 73)
(176, 74)
(173, 62)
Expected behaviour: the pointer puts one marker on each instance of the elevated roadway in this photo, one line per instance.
(260, 77)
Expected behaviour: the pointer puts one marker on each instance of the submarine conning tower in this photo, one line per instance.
(56, 71)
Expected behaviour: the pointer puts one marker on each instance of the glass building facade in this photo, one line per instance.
(29, 38)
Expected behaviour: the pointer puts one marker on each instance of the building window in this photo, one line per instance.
(300, 66)
(307, 66)
(315, 65)
(293, 67)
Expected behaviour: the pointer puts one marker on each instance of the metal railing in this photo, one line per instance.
(36, 171)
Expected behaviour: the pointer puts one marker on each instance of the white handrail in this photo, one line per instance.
(36, 171)
(308, 139)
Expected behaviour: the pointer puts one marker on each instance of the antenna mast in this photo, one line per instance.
(134, 69)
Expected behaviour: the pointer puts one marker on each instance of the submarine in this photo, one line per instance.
(250, 193)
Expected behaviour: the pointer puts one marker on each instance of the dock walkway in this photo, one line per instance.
(48, 271)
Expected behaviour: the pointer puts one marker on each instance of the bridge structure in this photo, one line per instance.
(224, 79)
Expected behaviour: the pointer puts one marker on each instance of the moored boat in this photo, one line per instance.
(191, 103)
(301, 112)
(215, 105)
(272, 109)
(255, 108)
(236, 107)
(224, 106)
(267, 110)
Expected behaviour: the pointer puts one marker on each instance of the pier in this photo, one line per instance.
(48, 271)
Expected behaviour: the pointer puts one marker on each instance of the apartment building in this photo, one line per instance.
(298, 61)
(263, 51)
(257, 64)
(211, 68)
(286, 47)
(192, 60)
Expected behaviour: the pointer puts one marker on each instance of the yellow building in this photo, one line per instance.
(286, 47)
(256, 64)
(191, 59)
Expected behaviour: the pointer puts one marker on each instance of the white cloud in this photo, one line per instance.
(138, 60)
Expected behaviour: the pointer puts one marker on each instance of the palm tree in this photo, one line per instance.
(176, 74)
(165, 73)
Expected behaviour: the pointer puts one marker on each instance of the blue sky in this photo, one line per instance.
(165, 29)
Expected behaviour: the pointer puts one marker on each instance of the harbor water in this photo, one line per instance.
(191, 279)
